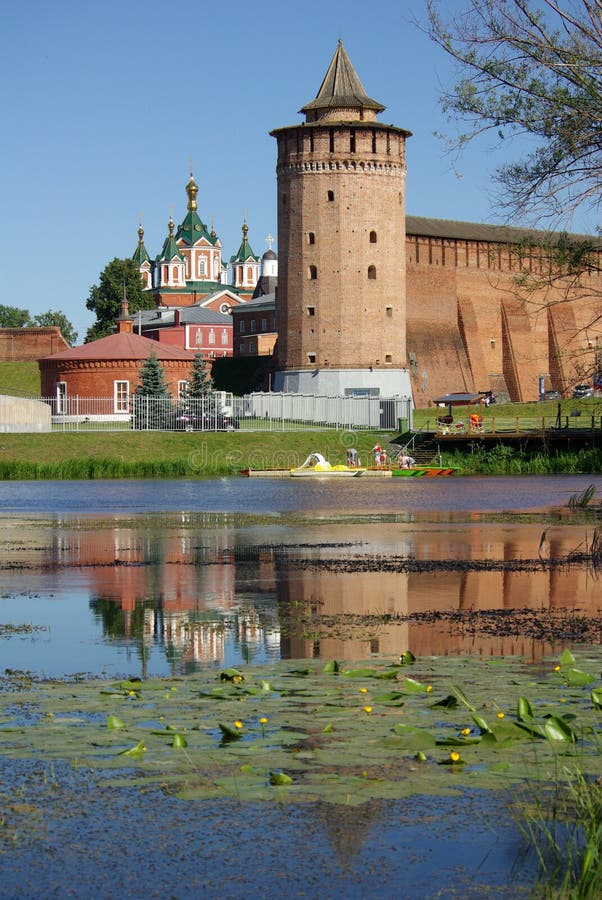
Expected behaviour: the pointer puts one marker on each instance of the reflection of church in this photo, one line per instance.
(200, 592)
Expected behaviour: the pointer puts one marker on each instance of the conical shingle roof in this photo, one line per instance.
(341, 88)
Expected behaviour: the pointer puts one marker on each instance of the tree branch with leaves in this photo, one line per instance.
(530, 68)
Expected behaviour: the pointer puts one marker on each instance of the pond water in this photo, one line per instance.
(165, 577)
(148, 578)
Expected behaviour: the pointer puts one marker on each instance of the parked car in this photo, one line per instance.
(583, 390)
(551, 395)
(186, 421)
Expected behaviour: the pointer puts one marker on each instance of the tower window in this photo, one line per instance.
(284, 199)
(312, 273)
(372, 237)
(331, 196)
(311, 238)
(311, 310)
(389, 312)
(331, 140)
(388, 358)
(311, 358)
(311, 141)
(372, 273)
(374, 142)
(352, 141)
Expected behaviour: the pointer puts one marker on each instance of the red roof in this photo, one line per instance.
(122, 346)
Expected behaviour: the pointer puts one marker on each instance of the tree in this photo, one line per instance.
(153, 407)
(106, 297)
(201, 382)
(152, 378)
(531, 68)
(58, 319)
(12, 317)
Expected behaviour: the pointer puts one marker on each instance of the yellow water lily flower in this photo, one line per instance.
(363, 690)
(465, 731)
(367, 709)
(454, 756)
(429, 688)
(500, 715)
(263, 721)
(238, 724)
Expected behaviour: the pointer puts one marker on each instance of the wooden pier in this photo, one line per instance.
(525, 433)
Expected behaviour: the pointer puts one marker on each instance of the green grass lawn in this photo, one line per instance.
(19, 378)
(168, 454)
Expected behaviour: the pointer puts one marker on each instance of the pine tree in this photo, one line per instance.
(152, 378)
(152, 400)
(201, 382)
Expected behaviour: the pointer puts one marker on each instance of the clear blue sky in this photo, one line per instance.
(105, 104)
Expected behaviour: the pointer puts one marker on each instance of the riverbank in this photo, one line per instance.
(159, 454)
(132, 454)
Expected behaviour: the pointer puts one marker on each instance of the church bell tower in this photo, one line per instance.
(341, 302)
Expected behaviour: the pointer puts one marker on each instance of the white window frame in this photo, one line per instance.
(121, 396)
(61, 397)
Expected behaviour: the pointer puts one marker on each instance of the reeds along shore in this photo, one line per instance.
(584, 462)
(167, 454)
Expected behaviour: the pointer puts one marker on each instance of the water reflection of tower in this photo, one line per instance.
(348, 597)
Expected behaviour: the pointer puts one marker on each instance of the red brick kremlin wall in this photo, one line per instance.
(25, 344)
(471, 327)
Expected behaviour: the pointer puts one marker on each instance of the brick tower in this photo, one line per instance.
(341, 245)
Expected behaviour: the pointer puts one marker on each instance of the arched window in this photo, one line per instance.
(372, 237)
(311, 238)
(330, 196)
(372, 273)
(312, 273)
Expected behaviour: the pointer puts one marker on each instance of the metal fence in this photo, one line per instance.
(224, 412)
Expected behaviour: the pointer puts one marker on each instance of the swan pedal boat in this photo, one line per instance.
(315, 466)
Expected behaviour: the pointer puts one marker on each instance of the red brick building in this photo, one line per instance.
(254, 325)
(195, 328)
(110, 367)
